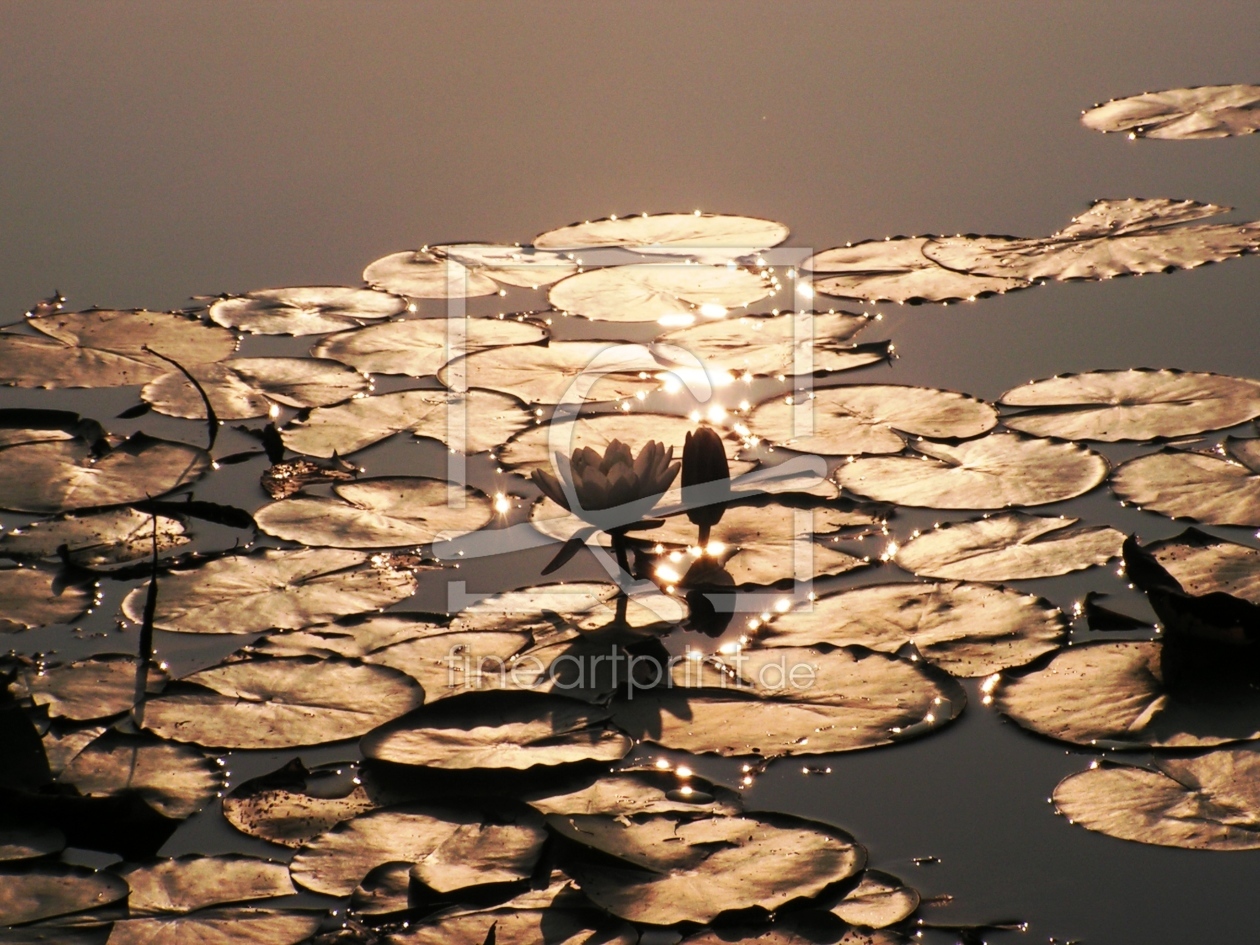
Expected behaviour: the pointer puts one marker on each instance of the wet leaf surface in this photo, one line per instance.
(1211, 802)
(678, 869)
(305, 310)
(1132, 405)
(422, 275)
(272, 589)
(671, 294)
(392, 512)
(255, 387)
(94, 540)
(33, 598)
(965, 629)
(419, 347)
(1215, 490)
(751, 704)
(1204, 564)
(92, 688)
(351, 426)
(525, 266)
(866, 418)
(878, 901)
(1013, 546)
(450, 848)
(32, 894)
(228, 926)
(280, 703)
(897, 270)
(992, 472)
(106, 348)
(673, 234)
(1206, 111)
(175, 780)
(195, 882)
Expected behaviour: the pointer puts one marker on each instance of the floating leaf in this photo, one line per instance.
(62, 475)
(254, 387)
(224, 926)
(1204, 564)
(390, 512)
(442, 415)
(632, 794)
(692, 870)
(421, 275)
(1211, 802)
(106, 348)
(450, 848)
(792, 701)
(31, 598)
(29, 841)
(50, 891)
(1112, 238)
(175, 780)
(305, 310)
(797, 928)
(707, 235)
(896, 270)
(280, 703)
(20, 425)
(668, 293)
(293, 475)
(194, 882)
(1215, 490)
(1013, 546)
(965, 629)
(866, 418)
(1113, 695)
(94, 540)
(419, 347)
(508, 925)
(92, 688)
(1206, 111)
(878, 901)
(526, 266)
(1132, 405)
(272, 589)
(498, 730)
(992, 472)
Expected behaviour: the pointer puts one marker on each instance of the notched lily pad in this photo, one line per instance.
(897, 270)
(1013, 546)
(305, 310)
(705, 235)
(671, 294)
(186, 883)
(1205, 111)
(94, 540)
(175, 780)
(254, 387)
(92, 688)
(1213, 489)
(965, 629)
(50, 891)
(35, 598)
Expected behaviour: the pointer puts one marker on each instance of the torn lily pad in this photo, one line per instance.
(866, 418)
(422, 275)
(1138, 404)
(94, 540)
(671, 294)
(271, 589)
(1012, 546)
(175, 780)
(186, 883)
(965, 629)
(254, 387)
(1205, 111)
(1213, 489)
(896, 270)
(705, 235)
(305, 310)
(991, 472)
(35, 598)
(1210, 802)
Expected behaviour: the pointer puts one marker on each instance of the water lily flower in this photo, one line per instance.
(613, 489)
(704, 462)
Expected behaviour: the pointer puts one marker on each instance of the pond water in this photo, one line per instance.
(162, 151)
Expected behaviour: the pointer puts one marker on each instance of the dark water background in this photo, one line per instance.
(153, 151)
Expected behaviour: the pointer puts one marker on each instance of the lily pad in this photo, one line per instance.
(33, 598)
(1211, 802)
(419, 347)
(305, 310)
(422, 275)
(1132, 405)
(1113, 695)
(866, 418)
(280, 703)
(359, 423)
(450, 848)
(390, 512)
(1206, 111)
(254, 387)
(62, 475)
(291, 476)
(29, 841)
(678, 869)
(781, 701)
(965, 629)
(992, 472)
(498, 730)
(633, 794)
(509, 925)
(1112, 238)
(92, 688)
(1013, 546)
(194, 882)
(878, 901)
(1216, 490)
(1204, 564)
(658, 292)
(272, 589)
(671, 234)
(46, 892)
(106, 348)
(797, 928)
(175, 780)
(94, 540)
(896, 270)
(526, 266)
(222, 926)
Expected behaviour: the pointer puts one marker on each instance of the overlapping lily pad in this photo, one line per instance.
(422, 275)
(525, 266)
(419, 347)
(897, 270)
(668, 293)
(34, 598)
(1211, 802)
(965, 629)
(1205, 111)
(175, 780)
(1013, 546)
(93, 688)
(705, 235)
(254, 387)
(510, 924)
(878, 901)
(94, 540)
(305, 310)
(441, 415)
(866, 418)
(194, 882)
(1205, 564)
(991, 472)
(106, 348)
(634, 793)
(49, 891)
(272, 589)
(1214, 489)
(1132, 405)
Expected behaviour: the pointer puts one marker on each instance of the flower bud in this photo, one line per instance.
(704, 462)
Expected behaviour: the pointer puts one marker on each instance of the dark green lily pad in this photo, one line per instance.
(95, 540)
(422, 275)
(419, 347)
(896, 270)
(305, 310)
(92, 688)
(57, 890)
(671, 234)
(175, 780)
(254, 387)
(1215, 490)
(1205, 111)
(34, 598)
(187, 883)
(667, 293)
